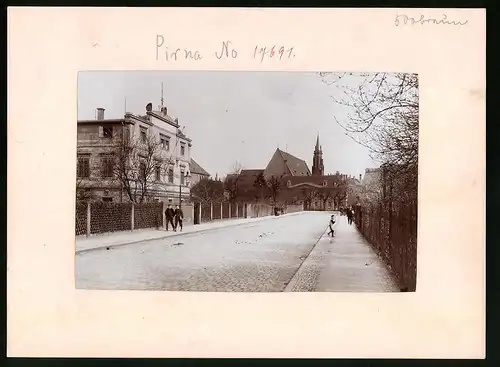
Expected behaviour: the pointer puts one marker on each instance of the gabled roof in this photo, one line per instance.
(196, 168)
(296, 166)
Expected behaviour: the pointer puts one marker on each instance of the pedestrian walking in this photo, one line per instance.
(349, 216)
(169, 216)
(179, 216)
(331, 226)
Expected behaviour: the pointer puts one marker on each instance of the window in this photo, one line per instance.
(107, 132)
(142, 171)
(144, 136)
(171, 175)
(107, 199)
(83, 166)
(165, 142)
(325, 183)
(107, 166)
(183, 149)
(182, 177)
(158, 172)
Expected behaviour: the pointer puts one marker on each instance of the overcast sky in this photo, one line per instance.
(231, 116)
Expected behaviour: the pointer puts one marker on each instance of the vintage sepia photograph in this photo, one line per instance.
(247, 181)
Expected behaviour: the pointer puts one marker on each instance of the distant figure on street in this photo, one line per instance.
(331, 228)
(169, 216)
(349, 215)
(179, 216)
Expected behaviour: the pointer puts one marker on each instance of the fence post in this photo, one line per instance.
(211, 211)
(229, 215)
(132, 215)
(88, 218)
(221, 205)
(237, 210)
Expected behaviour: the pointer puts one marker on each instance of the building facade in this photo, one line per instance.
(297, 184)
(113, 153)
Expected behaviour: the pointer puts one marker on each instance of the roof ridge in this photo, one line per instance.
(203, 170)
(286, 160)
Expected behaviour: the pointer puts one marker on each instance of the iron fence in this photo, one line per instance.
(391, 229)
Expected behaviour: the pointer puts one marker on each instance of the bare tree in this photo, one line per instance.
(274, 184)
(136, 163)
(325, 194)
(384, 118)
(308, 194)
(208, 191)
(236, 168)
(260, 184)
(231, 182)
(339, 197)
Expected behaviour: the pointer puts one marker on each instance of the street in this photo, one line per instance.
(289, 253)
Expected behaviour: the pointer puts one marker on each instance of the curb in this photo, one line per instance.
(78, 252)
(296, 276)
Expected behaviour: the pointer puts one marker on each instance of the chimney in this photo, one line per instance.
(100, 113)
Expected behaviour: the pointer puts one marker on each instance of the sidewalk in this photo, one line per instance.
(114, 239)
(344, 263)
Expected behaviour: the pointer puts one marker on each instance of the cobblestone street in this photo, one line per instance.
(274, 255)
(255, 257)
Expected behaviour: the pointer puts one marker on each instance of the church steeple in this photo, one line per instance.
(317, 166)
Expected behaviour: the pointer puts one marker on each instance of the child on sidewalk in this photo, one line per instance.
(331, 226)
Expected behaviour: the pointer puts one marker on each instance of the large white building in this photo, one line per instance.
(99, 139)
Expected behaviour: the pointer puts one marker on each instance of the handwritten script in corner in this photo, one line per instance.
(226, 50)
(403, 19)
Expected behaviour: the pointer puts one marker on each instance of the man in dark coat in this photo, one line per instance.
(349, 215)
(169, 216)
(179, 216)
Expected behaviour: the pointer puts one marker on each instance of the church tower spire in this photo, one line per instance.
(317, 166)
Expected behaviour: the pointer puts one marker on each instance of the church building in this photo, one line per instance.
(298, 184)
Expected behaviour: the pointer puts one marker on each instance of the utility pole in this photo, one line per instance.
(180, 194)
